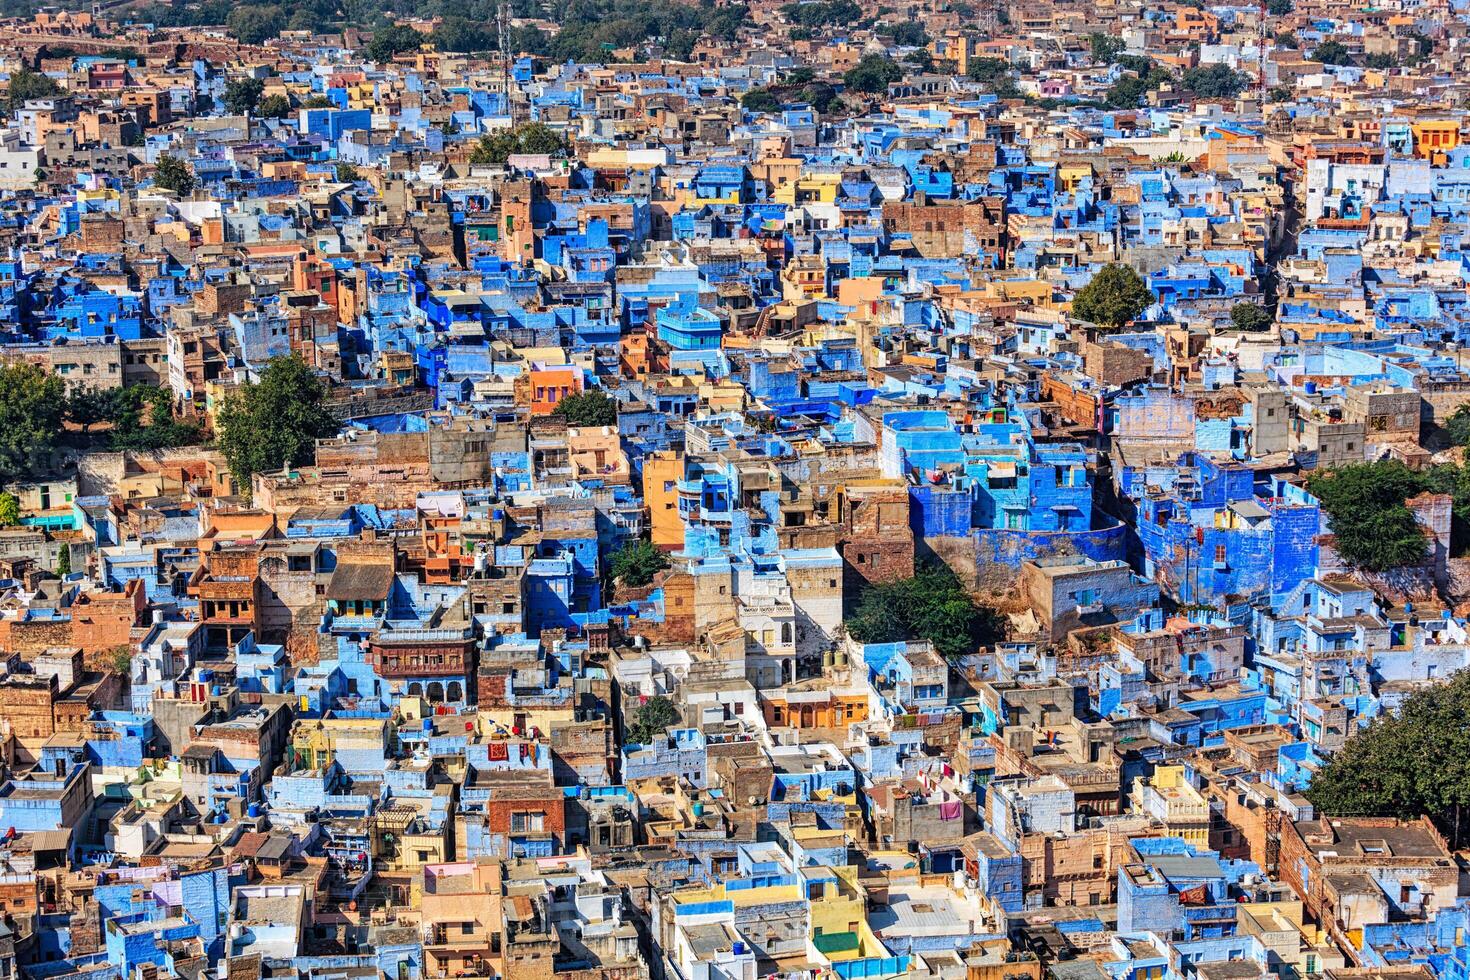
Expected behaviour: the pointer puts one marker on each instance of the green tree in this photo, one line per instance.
(32, 404)
(88, 406)
(760, 100)
(173, 174)
(1249, 316)
(538, 137)
(1279, 93)
(276, 422)
(1105, 48)
(528, 40)
(274, 107)
(460, 34)
(1330, 53)
(242, 95)
(346, 173)
(1286, 39)
(9, 509)
(874, 73)
(921, 59)
(1214, 82)
(496, 148)
(821, 97)
(1406, 765)
(393, 40)
(63, 560)
(26, 84)
(588, 408)
(142, 419)
(1278, 8)
(989, 69)
(909, 34)
(654, 716)
(121, 660)
(932, 606)
(1113, 297)
(637, 563)
(317, 102)
(255, 23)
(1457, 426)
(1372, 527)
(1126, 92)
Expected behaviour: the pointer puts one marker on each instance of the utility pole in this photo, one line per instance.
(1261, 59)
(502, 25)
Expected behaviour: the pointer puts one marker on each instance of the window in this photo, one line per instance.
(527, 821)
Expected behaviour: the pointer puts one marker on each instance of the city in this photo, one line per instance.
(697, 490)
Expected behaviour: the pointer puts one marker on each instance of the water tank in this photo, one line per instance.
(253, 810)
(698, 809)
(828, 660)
(428, 724)
(738, 949)
(839, 657)
(1311, 387)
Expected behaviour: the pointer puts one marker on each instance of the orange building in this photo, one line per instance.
(662, 472)
(1435, 138)
(825, 707)
(548, 386)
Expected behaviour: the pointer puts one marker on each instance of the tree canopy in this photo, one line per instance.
(1457, 426)
(393, 40)
(276, 422)
(243, 95)
(1105, 48)
(874, 73)
(172, 174)
(274, 107)
(1413, 763)
(592, 29)
(823, 13)
(142, 419)
(1114, 296)
(588, 408)
(460, 34)
(932, 606)
(654, 716)
(496, 148)
(637, 563)
(1214, 81)
(256, 23)
(1330, 53)
(760, 100)
(1250, 316)
(1373, 528)
(26, 84)
(1126, 92)
(32, 403)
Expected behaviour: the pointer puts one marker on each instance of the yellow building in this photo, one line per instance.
(809, 189)
(1168, 797)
